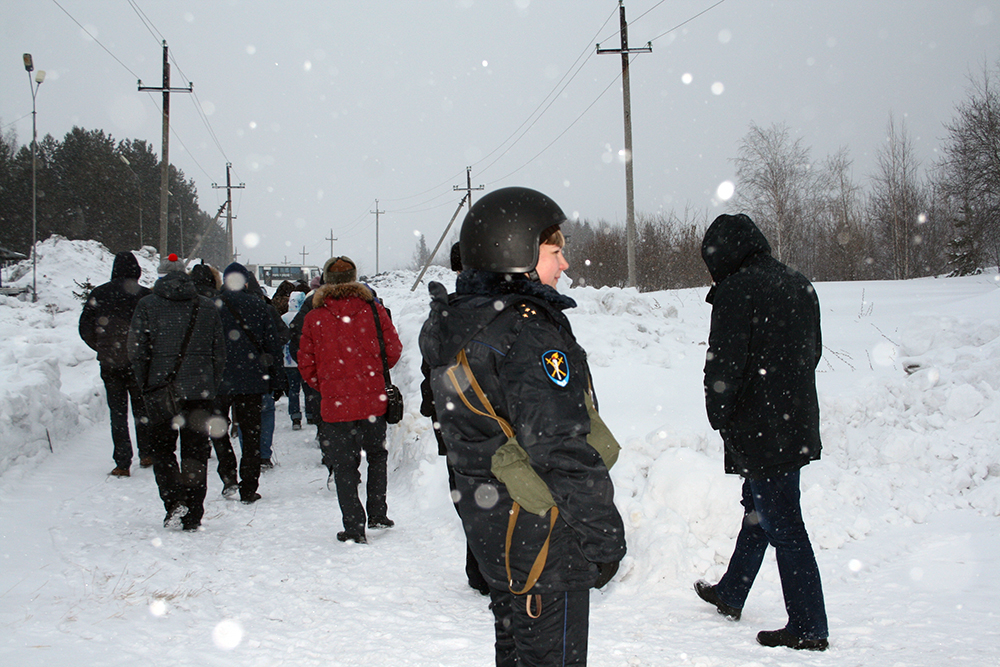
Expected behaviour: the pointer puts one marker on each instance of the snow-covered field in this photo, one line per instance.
(903, 509)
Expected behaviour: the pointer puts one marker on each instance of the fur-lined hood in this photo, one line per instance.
(341, 291)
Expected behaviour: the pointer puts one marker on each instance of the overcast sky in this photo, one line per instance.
(322, 107)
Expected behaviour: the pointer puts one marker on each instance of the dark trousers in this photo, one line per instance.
(773, 515)
(313, 400)
(183, 484)
(342, 443)
(120, 386)
(246, 410)
(472, 572)
(295, 385)
(556, 638)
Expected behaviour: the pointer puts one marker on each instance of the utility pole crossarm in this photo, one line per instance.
(468, 188)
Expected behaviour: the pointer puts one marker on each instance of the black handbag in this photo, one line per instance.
(393, 397)
(161, 403)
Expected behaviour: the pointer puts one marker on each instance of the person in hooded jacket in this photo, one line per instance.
(252, 349)
(508, 318)
(760, 393)
(155, 338)
(104, 325)
(340, 356)
(295, 388)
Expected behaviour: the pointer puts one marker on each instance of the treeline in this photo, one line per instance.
(898, 224)
(85, 190)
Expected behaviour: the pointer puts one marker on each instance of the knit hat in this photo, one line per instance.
(340, 270)
(315, 283)
(172, 264)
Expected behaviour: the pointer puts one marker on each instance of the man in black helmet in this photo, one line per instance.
(760, 392)
(506, 319)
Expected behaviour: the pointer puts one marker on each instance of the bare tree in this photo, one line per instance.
(894, 204)
(774, 185)
(970, 176)
(843, 240)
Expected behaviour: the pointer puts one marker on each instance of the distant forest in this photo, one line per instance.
(86, 190)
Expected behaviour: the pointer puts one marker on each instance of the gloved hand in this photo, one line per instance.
(276, 394)
(605, 571)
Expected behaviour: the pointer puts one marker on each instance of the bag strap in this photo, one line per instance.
(381, 344)
(543, 553)
(184, 344)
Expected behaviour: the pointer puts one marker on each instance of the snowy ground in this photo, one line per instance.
(904, 507)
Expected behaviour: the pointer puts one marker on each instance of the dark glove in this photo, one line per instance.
(276, 394)
(605, 571)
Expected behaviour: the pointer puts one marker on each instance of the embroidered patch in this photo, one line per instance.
(556, 367)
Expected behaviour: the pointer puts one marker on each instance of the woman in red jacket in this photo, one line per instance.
(339, 356)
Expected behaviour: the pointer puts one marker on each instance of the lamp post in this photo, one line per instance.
(29, 66)
(139, 188)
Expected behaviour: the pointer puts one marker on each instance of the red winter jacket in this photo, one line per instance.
(339, 352)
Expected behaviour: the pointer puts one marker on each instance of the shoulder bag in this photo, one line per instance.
(393, 397)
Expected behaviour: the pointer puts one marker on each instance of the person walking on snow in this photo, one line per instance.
(104, 325)
(156, 337)
(339, 356)
(760, 393)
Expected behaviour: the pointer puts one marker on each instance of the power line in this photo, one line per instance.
(97, 41)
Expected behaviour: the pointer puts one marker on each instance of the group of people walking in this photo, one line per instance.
(514, 407)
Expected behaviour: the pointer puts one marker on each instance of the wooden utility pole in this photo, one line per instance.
(165, 158)
(376, 212)
(303, 253)
(229, 208)
(331, 238)
(468, 188)
(629, 203)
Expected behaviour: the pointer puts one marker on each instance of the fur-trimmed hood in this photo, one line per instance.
(341, 291)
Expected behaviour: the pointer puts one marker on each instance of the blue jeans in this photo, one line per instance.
(773, 515)
(294, 387)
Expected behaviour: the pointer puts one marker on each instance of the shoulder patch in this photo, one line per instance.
(556, 367)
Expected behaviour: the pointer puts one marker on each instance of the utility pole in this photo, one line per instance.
(629, 203)
(303, 253)
(376, 212)
(165, 166)
(468, 186)
(229, 208)
(331, 239)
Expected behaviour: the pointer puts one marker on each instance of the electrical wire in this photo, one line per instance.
(97, 41)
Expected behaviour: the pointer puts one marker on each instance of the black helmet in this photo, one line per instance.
(502, 231)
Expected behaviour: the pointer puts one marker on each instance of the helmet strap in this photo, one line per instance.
(533, 275)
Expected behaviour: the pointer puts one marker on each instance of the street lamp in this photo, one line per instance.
(39, 77)
(139, 188)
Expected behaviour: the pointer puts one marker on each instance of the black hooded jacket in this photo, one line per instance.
(764, 345)
(157, 334)
(108, 311)
(507, 328)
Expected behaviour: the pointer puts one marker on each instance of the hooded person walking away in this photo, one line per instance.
(171, 319)
(760, 393)
(340, 356)
(505, 327)
(252, 350)
(295, 386)
(104, 325)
